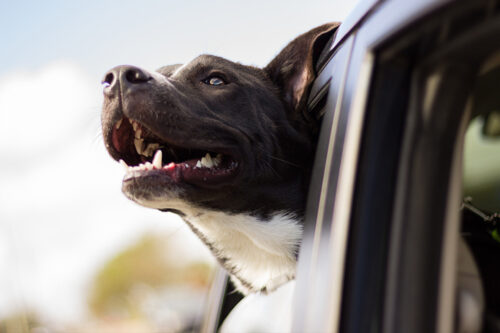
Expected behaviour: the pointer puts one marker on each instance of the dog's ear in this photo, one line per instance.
(292, 70)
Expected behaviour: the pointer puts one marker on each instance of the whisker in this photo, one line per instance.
(280, 159)
(272, 169)
(284, 161)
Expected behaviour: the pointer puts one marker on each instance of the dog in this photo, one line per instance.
(226, 146)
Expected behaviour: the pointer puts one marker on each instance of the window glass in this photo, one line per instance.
(482, 166)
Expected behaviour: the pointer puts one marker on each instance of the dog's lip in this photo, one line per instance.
(134, 142)
(185, 172)
(192, 169)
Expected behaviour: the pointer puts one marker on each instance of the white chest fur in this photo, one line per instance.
(260, 254)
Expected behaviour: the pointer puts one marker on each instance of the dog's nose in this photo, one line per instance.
(124, 76)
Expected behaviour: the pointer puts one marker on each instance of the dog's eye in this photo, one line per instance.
(214, 81)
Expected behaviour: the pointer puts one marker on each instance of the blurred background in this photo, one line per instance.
(75, 254)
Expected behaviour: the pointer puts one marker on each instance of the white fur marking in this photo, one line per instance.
(263, 253)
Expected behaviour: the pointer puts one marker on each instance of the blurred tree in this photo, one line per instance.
(20, 322)
(143, 264)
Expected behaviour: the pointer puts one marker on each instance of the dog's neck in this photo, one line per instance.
(260, 255)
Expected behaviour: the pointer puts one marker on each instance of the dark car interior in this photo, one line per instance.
(481, 187)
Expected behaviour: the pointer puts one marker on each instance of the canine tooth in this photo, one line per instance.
(124, 164)
(138, 134)
(118, 124)
(158, 159)
(198, 164)
(135, 125)
(139, 145)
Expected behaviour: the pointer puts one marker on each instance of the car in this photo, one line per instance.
(407, 91)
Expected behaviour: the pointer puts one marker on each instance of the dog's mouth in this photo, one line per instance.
(143, 154)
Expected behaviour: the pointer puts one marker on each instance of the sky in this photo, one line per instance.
(62, 213)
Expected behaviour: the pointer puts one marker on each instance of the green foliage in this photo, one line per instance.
(21, 322)
(143, 264)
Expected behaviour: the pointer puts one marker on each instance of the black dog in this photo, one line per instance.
(226, 146)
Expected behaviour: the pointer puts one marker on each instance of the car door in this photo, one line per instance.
(380, 248)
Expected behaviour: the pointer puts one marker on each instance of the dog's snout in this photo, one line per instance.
(124, 76)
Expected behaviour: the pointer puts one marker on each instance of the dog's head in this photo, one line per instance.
(216, 134)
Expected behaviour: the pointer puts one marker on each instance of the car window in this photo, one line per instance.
(478, 299)
(481, 165)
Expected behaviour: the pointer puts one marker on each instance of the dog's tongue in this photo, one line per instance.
(121, 136)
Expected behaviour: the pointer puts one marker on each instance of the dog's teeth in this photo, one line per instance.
(203, 162)
(118, 124)
(207, 161)
(198, 164)
(138, 134)
(217, 159)
(210, 161)
(139, 145)
(143, 166)
(124, 164)
(135, 125)
(158, 159)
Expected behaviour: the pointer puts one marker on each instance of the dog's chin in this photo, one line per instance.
(177, 183)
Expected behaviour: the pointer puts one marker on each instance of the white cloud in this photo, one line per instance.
(38, 108)
(62, 213)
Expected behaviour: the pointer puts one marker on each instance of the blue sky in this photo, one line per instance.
(98, 34)
(62, 213)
